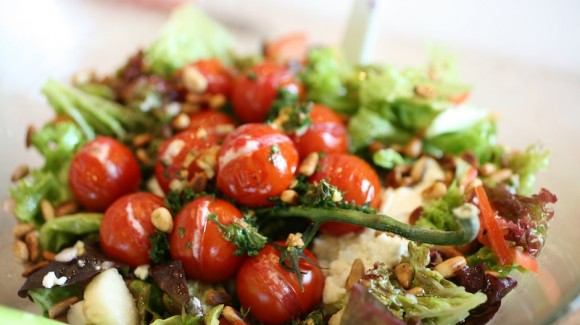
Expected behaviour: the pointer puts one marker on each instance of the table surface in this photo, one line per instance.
(529, 74)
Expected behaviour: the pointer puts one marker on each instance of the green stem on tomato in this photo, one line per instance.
(467, 227)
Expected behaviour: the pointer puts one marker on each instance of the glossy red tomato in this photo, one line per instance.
(126, 227)
(179, 156)
(102, 171)
(354, 176)
(256, 162)
(326, 134)
(213, 122)
(271, 293)
(198, 243)
(254, 91)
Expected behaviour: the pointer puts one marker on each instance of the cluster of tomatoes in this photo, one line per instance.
(249, 165)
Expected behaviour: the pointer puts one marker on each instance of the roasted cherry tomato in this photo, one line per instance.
(102, 171)
(254, 91)
(198, 243)
(219, 78)
(273, 294)
(212, 122)
(353, 176)
(326, 134)
(184, 155)
(256, 162)
(126, 227)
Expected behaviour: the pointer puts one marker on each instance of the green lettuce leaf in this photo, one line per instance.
(66, 230)
(148, 299)
(527, 165)
(181, 320)
(442, 302)
(58, 142)
(388, 158)
(188, 36)
(46, 298)
(438, 214)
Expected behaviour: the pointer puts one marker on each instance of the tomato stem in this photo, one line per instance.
(467, 228)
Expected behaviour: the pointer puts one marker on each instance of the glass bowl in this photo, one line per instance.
(534, 93)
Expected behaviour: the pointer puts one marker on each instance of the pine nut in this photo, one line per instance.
(218, 297)
(181, 122)
(198, 182)
(501, 175)
(437, 190)
(62, 306)
(448, 267)
(49, 256)
(491, 273)
(30, 131)
(418, 169)
(357, 271)
(294, 240)
(162, 220)
(416, 291)
(487, 169)
(19, 173)
(414, 147)
(337, 196)
(308, 165)
(217, 101)
(405, 274)
(20, 251)
(141, 140)
(194, 80)
(293, 183)
(47, 210)
(207, 161)
(233, 316)
(425, 91)
(31, 240)
(67, 207)
(190, 108)
(142, 156)
(289, 197)
(22, 229)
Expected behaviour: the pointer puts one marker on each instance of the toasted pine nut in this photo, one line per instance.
(190, 108)
(207, 161)
(308, 165)
(181, 122)
(217, 101)
(418, 169)
(357, 271)
(414, 147)
(233, 316)
(49, 256)
(293, 183)
(448, 267)
(142, 140)
(337, 196)
(162, 220)
(47, 210)
(416, 291)
(62, 306)
(34, 267)
(20, 251)
(294, 240)
(435, 191)
(19, 173)
(194, 80)
(217, 297)
(492, 273)
(30, 131)
(289, 197)
(22, 229)
(67, 207)
(425, 91)
(198, 182)
(405, 274)
(487, 169)
(501, 175)
(142, 156)
(31, 240)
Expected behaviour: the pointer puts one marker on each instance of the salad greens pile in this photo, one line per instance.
(386, 108)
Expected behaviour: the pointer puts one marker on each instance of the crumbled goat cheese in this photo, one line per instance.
(142, 271)
(50, 280)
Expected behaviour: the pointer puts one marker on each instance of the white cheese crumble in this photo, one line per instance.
(142, 271)
(50, 280)
(336, 255)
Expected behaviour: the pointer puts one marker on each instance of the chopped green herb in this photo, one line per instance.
(243, 234)
(159, 252)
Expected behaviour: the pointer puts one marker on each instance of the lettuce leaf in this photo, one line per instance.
(526, 165)
(46, 298)
(188, 36)
(66, 230)
(438, 214)
(442, 302)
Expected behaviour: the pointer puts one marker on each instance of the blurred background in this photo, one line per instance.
(522, 56)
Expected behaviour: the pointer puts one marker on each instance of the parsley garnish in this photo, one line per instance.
(243, 234)
(159, 243)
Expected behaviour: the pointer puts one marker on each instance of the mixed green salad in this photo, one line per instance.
(190, 186)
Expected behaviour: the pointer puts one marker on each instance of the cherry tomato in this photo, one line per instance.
(327, 133)
(254, 91)
(102, 171)
(271, 293)
(219, 78)
(198, 243)
(256, 162)
(213, 122)
(126, 227)
(180, 157)
(356, 178)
